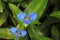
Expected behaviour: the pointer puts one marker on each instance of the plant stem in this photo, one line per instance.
(12, 19)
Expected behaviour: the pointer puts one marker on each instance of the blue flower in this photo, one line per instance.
(13, 30)
(23, 33)
(23, 17)
(33, 16)
(17, 33)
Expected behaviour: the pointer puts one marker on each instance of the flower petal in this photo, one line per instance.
(27, 21)
(21, 16)
(13, 30)
(16, 35)
(23, 33)
(33, 16)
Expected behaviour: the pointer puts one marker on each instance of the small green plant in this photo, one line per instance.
(29, 20)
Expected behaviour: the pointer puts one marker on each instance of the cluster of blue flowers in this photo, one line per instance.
(27, 18)
(17, 33)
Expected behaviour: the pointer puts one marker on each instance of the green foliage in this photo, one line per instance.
(37, 6)
(56, 14)
(38, 35)
(15, 10)
(5, 33)
(3, 17)
(12, 1)
(1, 6)
(55, 33)
(43, 28)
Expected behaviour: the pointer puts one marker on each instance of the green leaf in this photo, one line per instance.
(37, 6)
(55, 33)
(34, 34)
(15, 10)
(50, 20)
(3, 18)
(5, 34)
(56, 14)
(1, 6)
